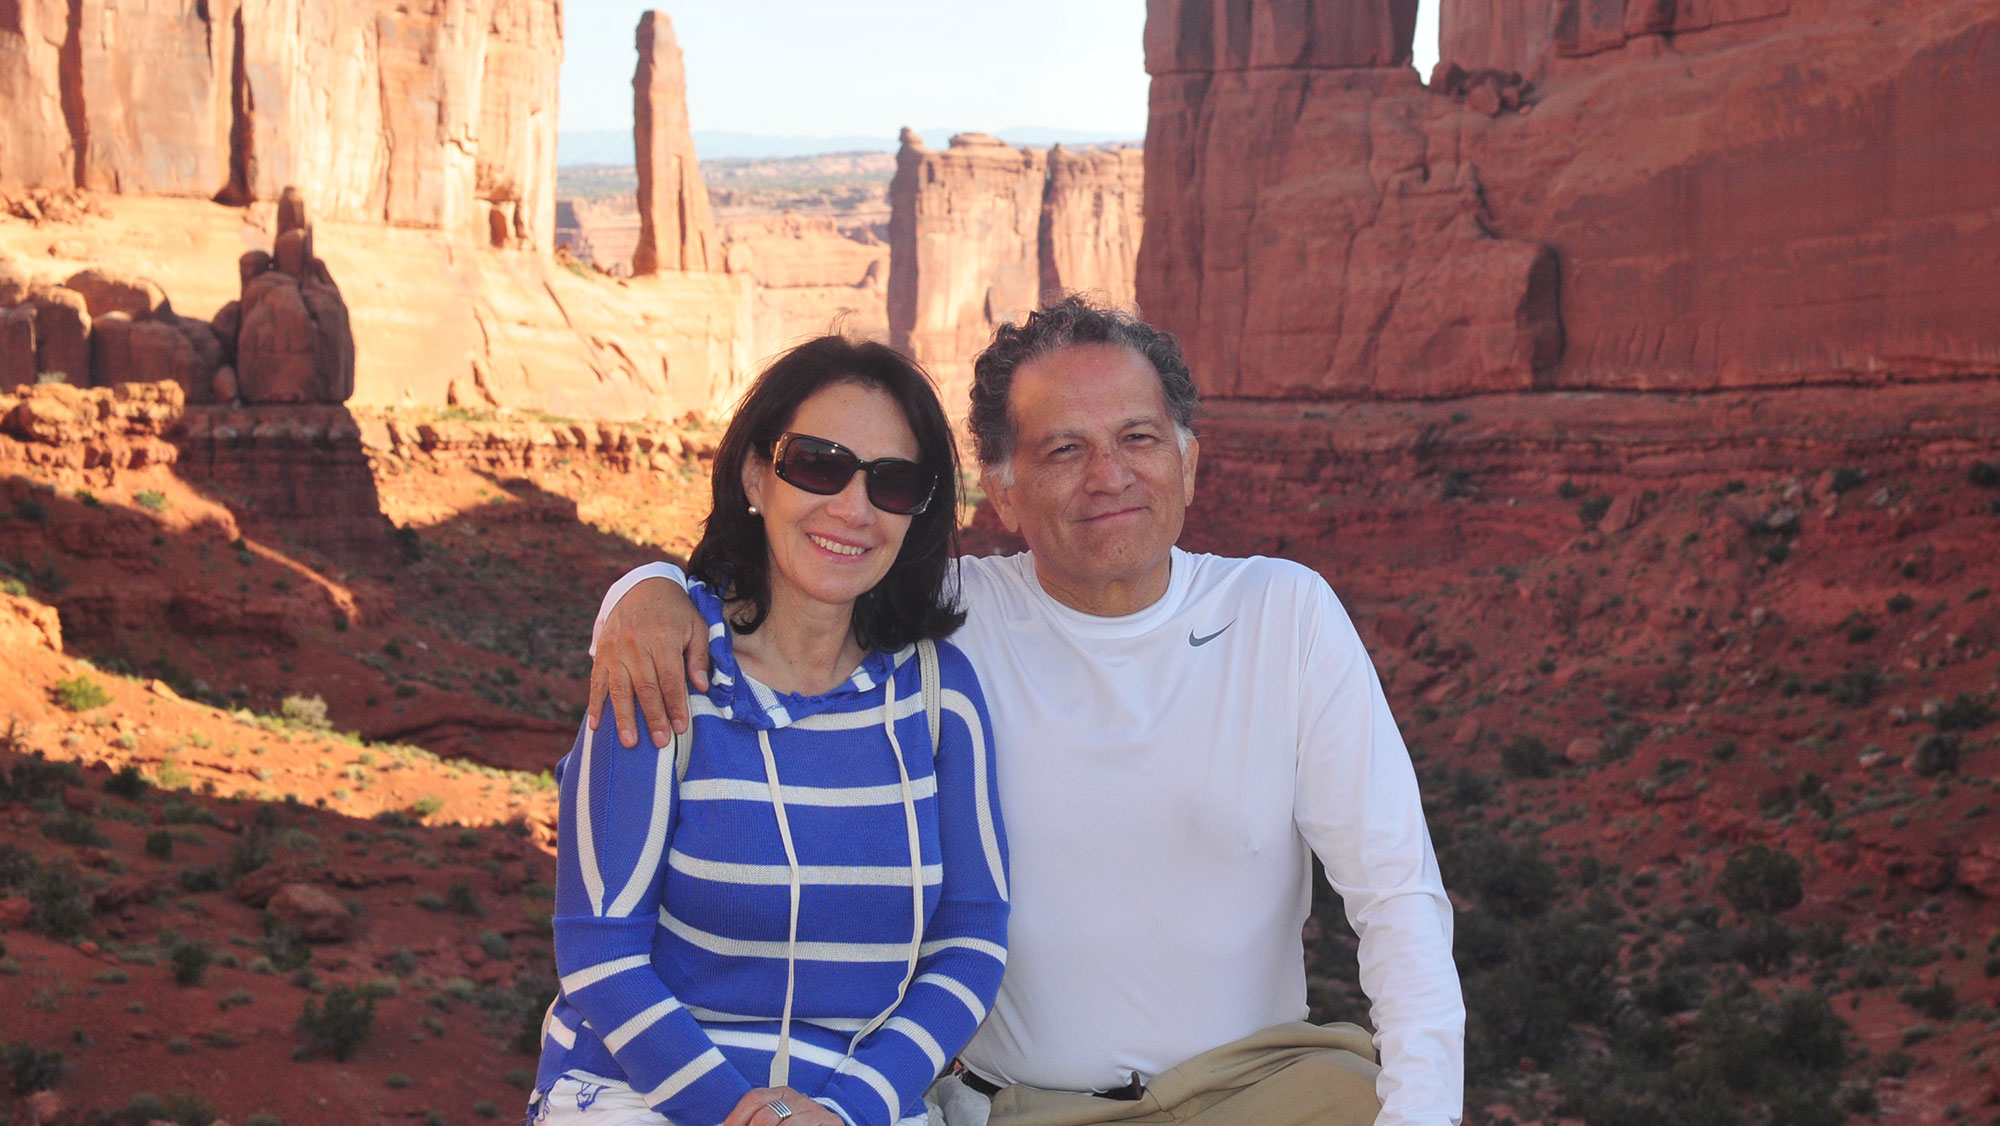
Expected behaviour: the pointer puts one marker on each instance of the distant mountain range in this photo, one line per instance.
(614, 146)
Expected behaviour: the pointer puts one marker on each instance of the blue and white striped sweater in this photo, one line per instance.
(673, 903)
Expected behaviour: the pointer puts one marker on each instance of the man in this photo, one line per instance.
(1173, 733)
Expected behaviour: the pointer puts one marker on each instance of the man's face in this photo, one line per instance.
(1101, 486)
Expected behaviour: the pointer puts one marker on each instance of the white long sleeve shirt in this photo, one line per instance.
(1166, 776)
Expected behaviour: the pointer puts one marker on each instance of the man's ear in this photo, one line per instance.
(1002, 495)
(1189, 461)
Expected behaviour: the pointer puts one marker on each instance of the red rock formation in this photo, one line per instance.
(964, 247)
(1297, 238)
(293, 341)
(1771, 198)
(1091, 221)
(676, 230)
(438, 116)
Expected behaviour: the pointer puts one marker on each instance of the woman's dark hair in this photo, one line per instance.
(911, 602)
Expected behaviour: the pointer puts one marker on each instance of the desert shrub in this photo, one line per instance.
(1761, 880)
(1938, 1000)
(1509, 879)
(1847, 478)
(1936, 754)
(340, 1025)
(1470, 789)
(1857, 687)
(1590, 511)
(495, 945)
(284, 945)
(71, 827)
(58, 905)
(307, 712)
(160, 844)
(190, 961)
(409, 545)
(426, 805)
(1984, 474)
(30, 1068)
(152, 500)
(460, 899)
(261, 1118)
(1966, 712)
(1525, 756)
(182, 1108)
(1763, 945)
(127, 783)
(79, 693)
(36, 779)
(198, 878)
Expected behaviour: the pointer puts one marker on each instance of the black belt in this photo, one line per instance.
(1130, 1092)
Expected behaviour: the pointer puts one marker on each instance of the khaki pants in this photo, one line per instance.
(1290, 1075)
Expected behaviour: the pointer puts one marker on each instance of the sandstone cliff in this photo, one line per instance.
(1598, 195)
(980, 232)
(1091, 221)
(676, 230)
(438, 116)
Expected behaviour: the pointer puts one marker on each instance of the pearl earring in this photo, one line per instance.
(753, 510)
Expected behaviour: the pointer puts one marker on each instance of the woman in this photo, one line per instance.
(801, 916)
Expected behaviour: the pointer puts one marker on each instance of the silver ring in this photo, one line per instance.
(779, 1108)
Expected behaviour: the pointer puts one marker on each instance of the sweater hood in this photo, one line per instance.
(738, 698)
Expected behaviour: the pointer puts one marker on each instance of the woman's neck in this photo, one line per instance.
(803, 647)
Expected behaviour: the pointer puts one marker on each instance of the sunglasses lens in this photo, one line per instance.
(816, 466)
(902, 487)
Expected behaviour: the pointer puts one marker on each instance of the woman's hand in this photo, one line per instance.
(755, 1110)
(650, 638)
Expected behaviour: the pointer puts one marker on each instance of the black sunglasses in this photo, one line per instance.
(823, 468)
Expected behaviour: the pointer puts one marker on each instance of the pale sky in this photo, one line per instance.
(869, 67)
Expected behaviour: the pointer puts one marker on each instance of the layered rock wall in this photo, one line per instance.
(1091, 221)
(981, 232)
(1688, 197)
(676, 229)
(440, 115)
(963, 246)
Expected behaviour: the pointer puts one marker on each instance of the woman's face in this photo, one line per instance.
(833, 549)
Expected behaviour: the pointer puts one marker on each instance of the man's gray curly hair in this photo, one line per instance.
(1073, 320)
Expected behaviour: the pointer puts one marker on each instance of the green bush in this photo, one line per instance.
(160, 844)
(460, 899)
(1984, 474)
(79, 693)
(1857, 687)
(152, 500)
(1936, 754)
(182, 1108)
(71, 827)
(127, 783)
(59, 907)
(1525, 756)
(339, 1026)
(307, 712)
(35, 779)
(1966, 712)
(190, 960)
(1761, 880)
(1593, 510)
(1938, 1000)
(30, 1068)
(1847, 478)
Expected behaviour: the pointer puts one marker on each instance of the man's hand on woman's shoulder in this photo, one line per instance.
(653, 643)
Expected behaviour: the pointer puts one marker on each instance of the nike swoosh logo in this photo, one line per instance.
(1200, 641)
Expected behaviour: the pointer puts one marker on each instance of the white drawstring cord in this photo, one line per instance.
(916, 863)
(781, 1062)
